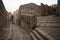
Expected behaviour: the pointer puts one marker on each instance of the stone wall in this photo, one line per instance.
(16, 17)
(28, 21)
(3, 15)
(58, 7)
(30, 8)
(44, 9)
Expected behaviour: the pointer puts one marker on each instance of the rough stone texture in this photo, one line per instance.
(14, 32)
(50, 25)
(30, 8)
(44, 9)
(54, 10)
(58, 7)
(28, 21)
(3, 15)
(48, 10)
(16, 17)
(52, 31)
(58, 2)
(41, 34)
(9, 15)
(48, 21)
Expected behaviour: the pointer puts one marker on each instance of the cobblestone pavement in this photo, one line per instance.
(14, 32)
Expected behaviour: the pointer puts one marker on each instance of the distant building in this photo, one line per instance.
(16, 17)
(58, 2)
(58, 9)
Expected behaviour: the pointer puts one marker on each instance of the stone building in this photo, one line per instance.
(30, 8)
(48, 10)
(16, 17)
(9, 14)
(44, 9)
(3, 15)
(28, 21)
(53, 10)
(58, 2)
(58, 9)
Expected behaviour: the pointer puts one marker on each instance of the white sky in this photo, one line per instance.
(12, 5)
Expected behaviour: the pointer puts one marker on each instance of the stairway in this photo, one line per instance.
(38, 34)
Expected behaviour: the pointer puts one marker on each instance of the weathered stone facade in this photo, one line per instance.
(30, 8)
(16, 17)
(28, 21)
(58, 7)
(44, 10)
(3, 15)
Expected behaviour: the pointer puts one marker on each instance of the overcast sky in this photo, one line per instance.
(12, 5)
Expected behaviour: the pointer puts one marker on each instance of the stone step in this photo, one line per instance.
(33, 36)
(48, 18)
(49, 24)
(38, 35)
(48, 21)
(44, 35)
